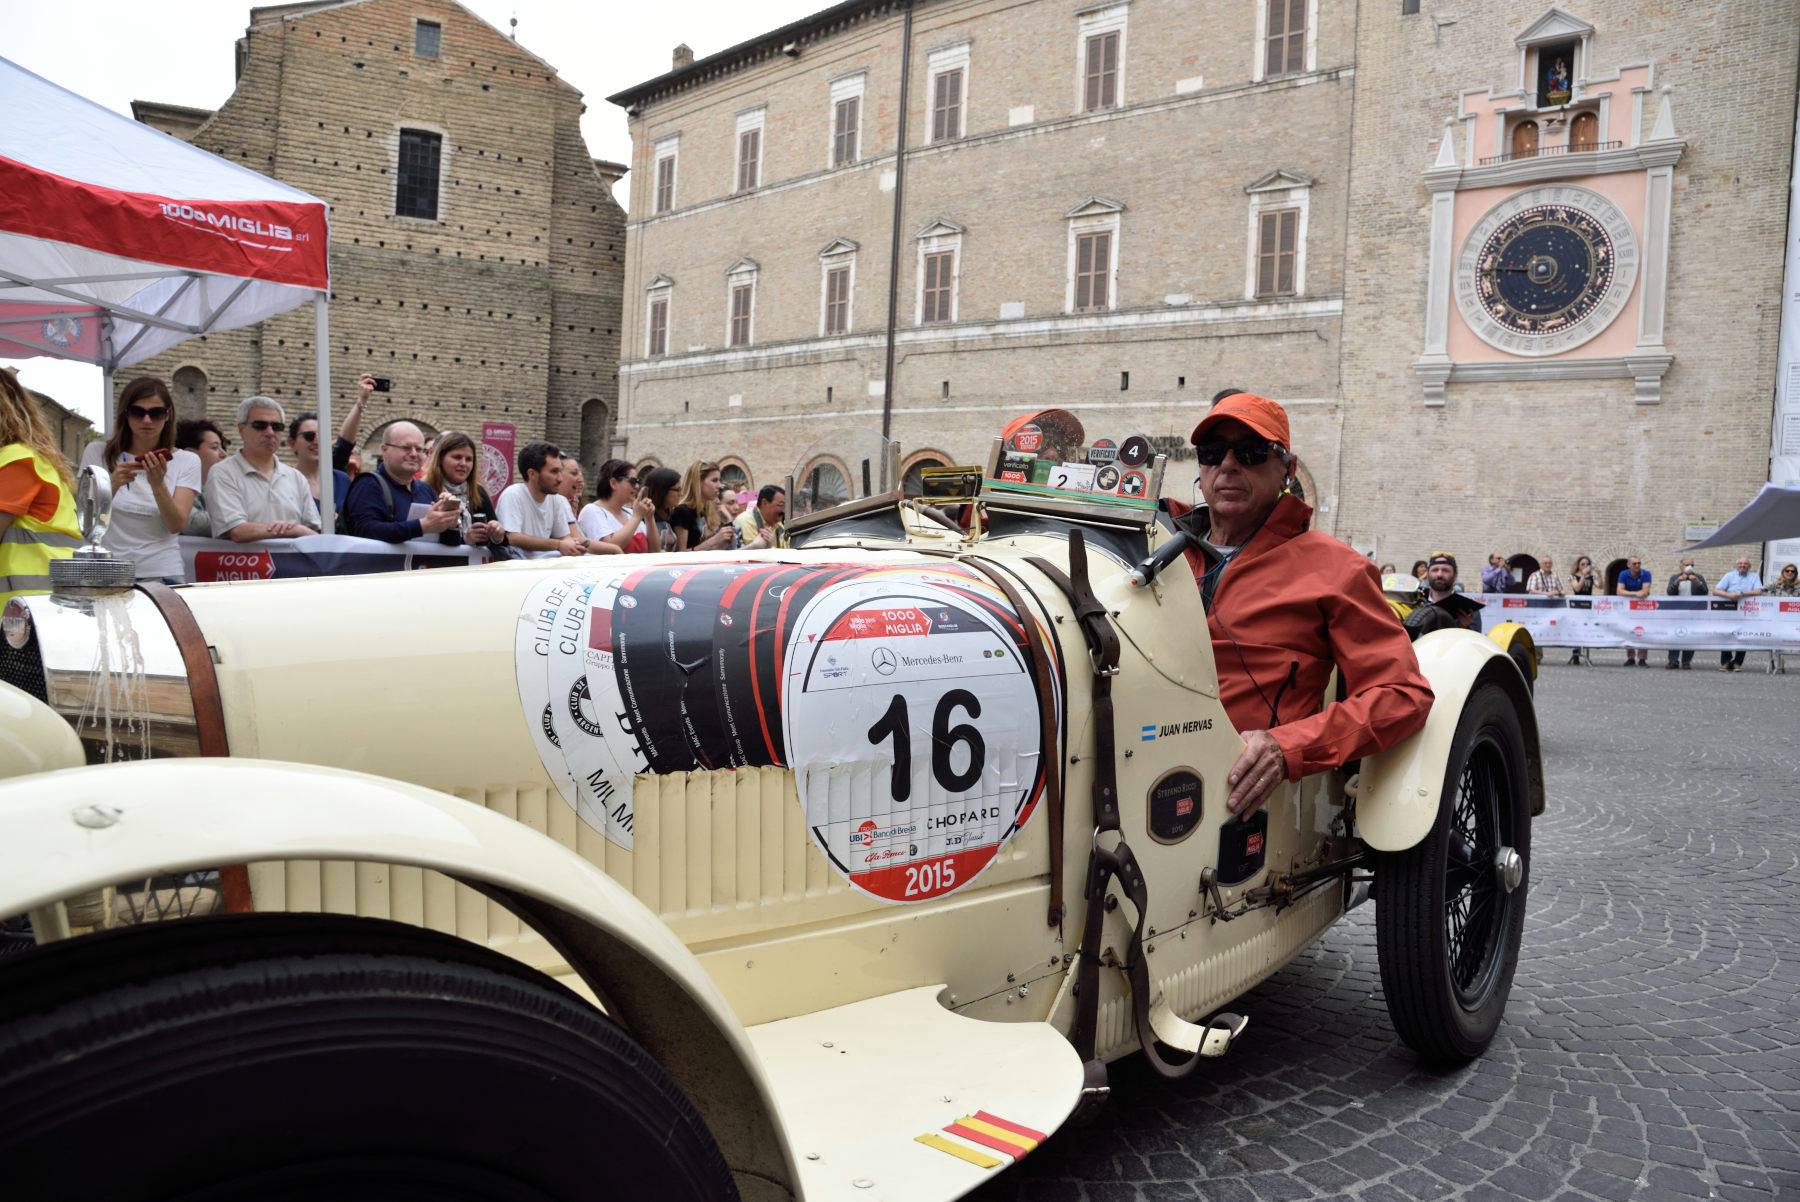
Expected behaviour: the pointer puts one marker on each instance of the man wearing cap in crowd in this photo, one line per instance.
(1441, 607)
(1284, 605)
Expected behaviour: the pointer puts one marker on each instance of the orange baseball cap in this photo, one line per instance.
(1258, 412)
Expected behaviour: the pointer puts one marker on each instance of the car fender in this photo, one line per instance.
(1507, 635)
(1397, 794)
(34, 737)
(70, 831)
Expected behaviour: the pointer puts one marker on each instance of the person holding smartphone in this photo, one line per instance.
(153, 483)
(381, 500)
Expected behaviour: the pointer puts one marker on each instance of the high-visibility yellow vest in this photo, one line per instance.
(29, 545)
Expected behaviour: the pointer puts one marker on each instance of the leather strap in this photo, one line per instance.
(1043, 674)
(1107, 864)
(209, 713)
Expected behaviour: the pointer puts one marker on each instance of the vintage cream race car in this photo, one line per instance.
(834, 871)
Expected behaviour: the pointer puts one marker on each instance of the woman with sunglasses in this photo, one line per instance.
(154, 483)
(1581, 584)
(451, 472)
(303, 441)
(620, 513)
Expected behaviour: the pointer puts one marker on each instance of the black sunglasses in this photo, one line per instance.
(308, 435)
(149, 415)
(1249, 452)
(261, 424)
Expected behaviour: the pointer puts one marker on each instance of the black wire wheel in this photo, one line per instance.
(289, 1058)
(1451, 909)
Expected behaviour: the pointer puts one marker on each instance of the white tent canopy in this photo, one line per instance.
(1773, 514)
(117, 241)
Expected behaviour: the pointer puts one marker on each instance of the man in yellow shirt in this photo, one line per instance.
(765, 515)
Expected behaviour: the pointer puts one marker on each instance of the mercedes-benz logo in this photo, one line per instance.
(884, 661)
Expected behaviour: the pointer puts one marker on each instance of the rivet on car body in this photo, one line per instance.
(864, 1183)
(97, 817)
(812, 1155)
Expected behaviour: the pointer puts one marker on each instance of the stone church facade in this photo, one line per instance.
(1120, 208)
(476, 248)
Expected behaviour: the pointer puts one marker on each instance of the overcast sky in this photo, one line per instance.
(180, 52)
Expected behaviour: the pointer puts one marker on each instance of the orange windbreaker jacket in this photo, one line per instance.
(1291, 604)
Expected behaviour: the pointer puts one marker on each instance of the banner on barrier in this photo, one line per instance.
(212, 559)
(1686, 623)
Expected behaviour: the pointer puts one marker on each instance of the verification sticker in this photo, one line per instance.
(594, 752)
(532, 645)
(912, 727)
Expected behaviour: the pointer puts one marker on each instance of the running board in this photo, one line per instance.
(899, 1098)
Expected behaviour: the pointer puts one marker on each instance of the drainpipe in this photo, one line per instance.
(887, 379)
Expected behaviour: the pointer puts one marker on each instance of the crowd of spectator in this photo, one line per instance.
(1633, 580)
(182, 477)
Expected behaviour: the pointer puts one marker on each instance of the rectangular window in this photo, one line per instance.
(416, 180)
(1102, 72)
(740, 314)
(940, 271)
(428, 38)
(665, 183)
(846, 120)
(1276, 243)
(946, 106)
(1093, 267)
(837, 300)
(1285, 49)
(659, 326)
(749, 160)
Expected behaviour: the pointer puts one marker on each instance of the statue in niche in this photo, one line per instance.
(1556, 80)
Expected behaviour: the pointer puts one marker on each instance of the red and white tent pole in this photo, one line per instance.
(118, 242)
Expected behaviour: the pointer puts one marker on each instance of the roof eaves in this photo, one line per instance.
(820, 25)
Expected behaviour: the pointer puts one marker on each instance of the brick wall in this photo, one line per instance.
(506, 307)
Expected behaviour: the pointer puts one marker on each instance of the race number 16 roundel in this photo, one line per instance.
(913, 730)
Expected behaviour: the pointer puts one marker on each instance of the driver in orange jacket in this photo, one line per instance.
(1284, 604)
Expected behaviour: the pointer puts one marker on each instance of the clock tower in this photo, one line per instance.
(1550, 224)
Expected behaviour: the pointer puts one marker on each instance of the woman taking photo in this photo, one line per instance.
(699, 523)
(451, 469)
(154, 483)
(1581, 584)
(37, 496)
(620, 514)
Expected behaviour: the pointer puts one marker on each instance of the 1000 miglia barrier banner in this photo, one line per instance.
(211, 559)
(1686, 623)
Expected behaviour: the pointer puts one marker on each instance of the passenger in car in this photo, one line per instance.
(1284, 605)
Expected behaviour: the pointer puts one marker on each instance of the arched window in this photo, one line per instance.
(1521, 566)
(189, 387)
(734, 477)
(1584, 132)
(647, 465)
(821, 485)
(596, 436)
(912, 478)
(1525, 140)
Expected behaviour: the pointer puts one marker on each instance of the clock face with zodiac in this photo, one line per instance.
(1546, 269)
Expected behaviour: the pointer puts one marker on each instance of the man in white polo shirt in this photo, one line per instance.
(252, 495)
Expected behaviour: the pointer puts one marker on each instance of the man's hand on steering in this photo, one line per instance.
(1257, 771)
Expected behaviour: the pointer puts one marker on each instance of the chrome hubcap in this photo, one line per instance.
(1509, 869)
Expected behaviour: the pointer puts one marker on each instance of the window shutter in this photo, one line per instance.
(659, 327)
(1284, 275)
(1267, 236)
(665, 184)
(749, 159)
(1102, 91)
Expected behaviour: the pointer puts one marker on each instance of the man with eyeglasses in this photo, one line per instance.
(252, 495)
(381, 502)
(1285, 605)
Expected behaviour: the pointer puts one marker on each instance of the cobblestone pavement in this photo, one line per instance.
(1651, 1048)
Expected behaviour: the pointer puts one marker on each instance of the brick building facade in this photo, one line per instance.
(1279, 214)
(1031, 129)
(476, 248)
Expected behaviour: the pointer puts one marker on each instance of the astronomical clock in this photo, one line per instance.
(1550, 224)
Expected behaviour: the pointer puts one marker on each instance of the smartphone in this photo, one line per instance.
(383, 383)
(157, 453)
